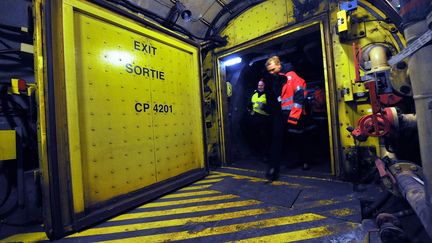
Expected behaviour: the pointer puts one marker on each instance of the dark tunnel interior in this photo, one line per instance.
(303, 52)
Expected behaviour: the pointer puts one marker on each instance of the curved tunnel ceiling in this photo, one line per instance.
(201, 19)
(205, 16)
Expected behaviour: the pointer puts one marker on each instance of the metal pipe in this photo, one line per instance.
(378, 58)
(420, 73)
(416, 18)
(419, 193)
(414, 193)
(408, 122)
(384, 152)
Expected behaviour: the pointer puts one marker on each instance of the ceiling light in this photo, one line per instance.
(232, 61)
(185, 13)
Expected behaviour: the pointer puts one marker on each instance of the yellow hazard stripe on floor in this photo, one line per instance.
(256, 179)
(173, 222)
(184, 235)
(206, 181)
(342, 212)
(192, 209)
(214, 176)
(191, 194)
(314, 204)
(26, 237)
(190, 188)
(306, 234)
(185, 201)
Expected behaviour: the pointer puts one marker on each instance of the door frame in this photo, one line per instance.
(329, 80)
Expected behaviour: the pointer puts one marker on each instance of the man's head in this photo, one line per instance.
(261, 86)
(273, 65)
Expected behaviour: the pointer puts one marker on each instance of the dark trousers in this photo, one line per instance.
(260, 125)
(295, 137)
(280, 132)
(277, 137)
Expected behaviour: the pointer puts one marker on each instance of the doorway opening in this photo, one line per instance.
(302, 51)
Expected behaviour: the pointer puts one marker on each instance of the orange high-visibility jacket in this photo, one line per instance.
(293, 96)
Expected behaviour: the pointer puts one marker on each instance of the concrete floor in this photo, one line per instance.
(233, 204)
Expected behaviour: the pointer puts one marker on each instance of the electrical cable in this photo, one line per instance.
(129, 4)
(4, 184)
(364, 20)
(5, 44)
(138, 9)
(163, 4)
(205, 12)
(5, 104)
(11, 28)
(16, 37)
(10, 205)
(11, 109)
(5, 56)
(7, 51)
(372, 209)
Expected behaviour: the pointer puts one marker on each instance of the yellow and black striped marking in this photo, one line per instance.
(200, 213)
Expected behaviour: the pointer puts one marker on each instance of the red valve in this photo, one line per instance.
(374, 125)
(389, 99)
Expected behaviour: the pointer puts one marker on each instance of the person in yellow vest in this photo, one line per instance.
(260, 122)
(259, 100)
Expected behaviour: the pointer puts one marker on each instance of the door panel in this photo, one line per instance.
(126, 110)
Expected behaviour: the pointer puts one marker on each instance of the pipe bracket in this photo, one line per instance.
(422, 96)
(406, 167)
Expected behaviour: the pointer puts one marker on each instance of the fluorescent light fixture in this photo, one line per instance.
(233, 61)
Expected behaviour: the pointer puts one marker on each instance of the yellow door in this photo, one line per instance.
(120, 112)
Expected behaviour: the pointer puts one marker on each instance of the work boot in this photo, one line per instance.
(272, 174)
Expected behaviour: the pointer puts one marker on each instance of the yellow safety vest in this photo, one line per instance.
(258, 103)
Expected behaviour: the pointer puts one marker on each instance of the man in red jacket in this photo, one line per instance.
(289, 93)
